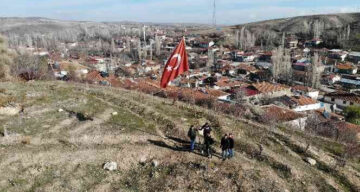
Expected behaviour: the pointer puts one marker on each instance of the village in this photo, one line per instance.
(298, 83)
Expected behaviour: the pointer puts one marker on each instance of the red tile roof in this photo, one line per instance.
(246, 67)
(346, 96)
(281, 114)
(302, 88)
(302, 100)
(94, 76)
(266, 87)
(345, 66)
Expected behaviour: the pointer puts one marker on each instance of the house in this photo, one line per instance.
(297, 103)
(353, 57)
(245, 69)
(285, 116)
(227, 84)
(304, 103)
(263, 65)
(306, 91)
(261, 75)
(342, 99)
(350, 81)
(220, 95)
(338, 121)
(337, 54)
(346, 68)
(324, 115)
(293, 43)
(330, 79)
(269, 90)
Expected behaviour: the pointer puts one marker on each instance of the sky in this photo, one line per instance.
(228, 12)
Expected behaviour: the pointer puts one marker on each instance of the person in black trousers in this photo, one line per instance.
(208, 141)
(231, 146)
(224, 146)
(192, 136)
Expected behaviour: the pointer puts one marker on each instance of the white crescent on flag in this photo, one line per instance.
(178, 56)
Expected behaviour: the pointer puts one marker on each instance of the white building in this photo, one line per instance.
(342, 99)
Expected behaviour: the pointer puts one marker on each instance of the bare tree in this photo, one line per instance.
(315, 71)
(29, 66)
(348, 32)
(281, 61)
(128, 44)
(157, 46)
(5, 60)
(139, 50)
(318, 29)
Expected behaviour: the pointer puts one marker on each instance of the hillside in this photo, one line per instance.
(47, 149)
(299, 24)
(336, 30)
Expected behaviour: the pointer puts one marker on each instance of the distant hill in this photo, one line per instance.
(333, 28)
(29, 30)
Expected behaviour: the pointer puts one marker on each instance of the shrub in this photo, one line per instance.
(205, 102)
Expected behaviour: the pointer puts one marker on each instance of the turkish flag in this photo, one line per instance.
(176, 65)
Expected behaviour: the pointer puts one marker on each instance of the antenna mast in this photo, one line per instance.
(214, 14)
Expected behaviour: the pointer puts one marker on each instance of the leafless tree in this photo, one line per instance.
(315, 71)
(128, 44)
(157, 46)
(30, 67)
(318, 28)
(5, 60)
(281, 61)
(139, 50)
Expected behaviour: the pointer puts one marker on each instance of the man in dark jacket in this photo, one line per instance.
(208, 141)
(224, 146)
(231, 146)
(206, 129)
(192, 136)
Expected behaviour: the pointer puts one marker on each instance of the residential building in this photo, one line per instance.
(285, 116)
(342, 99)
(305, 91)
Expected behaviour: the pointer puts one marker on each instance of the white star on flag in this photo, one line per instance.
(169, 68)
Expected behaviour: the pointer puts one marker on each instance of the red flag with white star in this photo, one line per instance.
(176, 65)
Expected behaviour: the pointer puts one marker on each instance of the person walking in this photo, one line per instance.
(231, 146)
(192, 136)
(224, 146)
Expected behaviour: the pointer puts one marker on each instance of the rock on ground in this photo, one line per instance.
(10, 111)
(155, 163)
(111, 166)
(311, 161)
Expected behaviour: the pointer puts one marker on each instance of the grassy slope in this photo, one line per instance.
(50, 151)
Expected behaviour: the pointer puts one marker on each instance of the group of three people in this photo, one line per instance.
(226, 145)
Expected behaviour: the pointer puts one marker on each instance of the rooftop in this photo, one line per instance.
(346, 96)
(281, 114)
(265, 87)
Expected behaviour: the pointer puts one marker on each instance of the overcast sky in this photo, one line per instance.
(179, 11)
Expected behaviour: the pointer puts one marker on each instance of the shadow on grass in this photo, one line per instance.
(183, 146)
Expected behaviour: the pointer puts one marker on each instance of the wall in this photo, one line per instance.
(339, 102)
(297, 123)
(308, 107)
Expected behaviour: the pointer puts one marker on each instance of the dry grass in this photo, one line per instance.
(48, 150)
